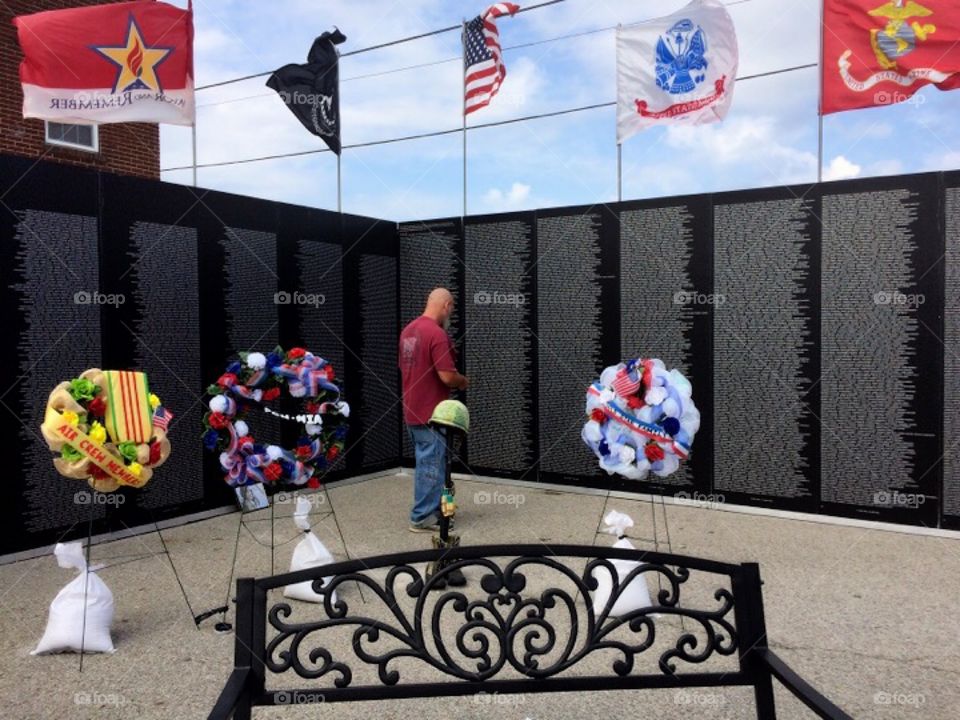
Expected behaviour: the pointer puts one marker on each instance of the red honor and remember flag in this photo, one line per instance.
(484, 70)
(124, 62)
(881, 54)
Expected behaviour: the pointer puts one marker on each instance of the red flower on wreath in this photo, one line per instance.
(332, 453)
(97, 407)
(271, 394)
(633, 402)
(313, 483)
(330, 373)
(154, 453)
(272, 472)
(97, 473)
(313, 408)
(653, 452)
(245, 440)
(218, 421)
(295, 353)
(597, 415)
(304, 452)
(226, 380)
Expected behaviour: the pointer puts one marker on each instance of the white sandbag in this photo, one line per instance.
(67, 629)
(636, 594)
(309, 553)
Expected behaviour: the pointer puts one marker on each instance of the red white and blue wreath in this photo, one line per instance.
(256, 379)
(641, 418)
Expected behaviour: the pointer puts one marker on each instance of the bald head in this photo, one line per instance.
(440, 306)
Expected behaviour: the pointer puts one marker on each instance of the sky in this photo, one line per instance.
(769, 138)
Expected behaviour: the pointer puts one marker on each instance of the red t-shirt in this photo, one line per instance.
(425, 348)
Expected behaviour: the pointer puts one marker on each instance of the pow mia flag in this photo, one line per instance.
(312, 91)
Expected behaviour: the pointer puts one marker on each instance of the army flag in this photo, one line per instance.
(312, 91)
(881, 54)
(123, 62)
(676, 69)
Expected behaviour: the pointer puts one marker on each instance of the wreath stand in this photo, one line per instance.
(244, 523)
(123, 560)
(656, 536)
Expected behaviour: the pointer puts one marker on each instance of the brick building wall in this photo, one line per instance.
(125, 148)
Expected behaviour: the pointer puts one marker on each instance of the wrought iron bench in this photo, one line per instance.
(524, 620)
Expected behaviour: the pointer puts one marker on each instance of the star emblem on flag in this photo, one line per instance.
(136, 61)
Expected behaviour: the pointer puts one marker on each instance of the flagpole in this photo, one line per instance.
(339, 140)
(619, 172)
(193, 128)
(820, 104)
(194, 134)
(339, 186)
(463, 74)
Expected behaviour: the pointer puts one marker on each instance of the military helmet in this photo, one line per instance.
(451, 413)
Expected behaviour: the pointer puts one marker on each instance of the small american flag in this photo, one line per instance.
(484, 69)
(162, 418)
(626, 383)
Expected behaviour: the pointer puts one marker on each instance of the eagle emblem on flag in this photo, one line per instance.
(899, 38)
(681, 61)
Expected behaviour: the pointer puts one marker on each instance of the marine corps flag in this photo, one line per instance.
(676, 69)
(123, 62)
(877, 53)
(312, 91)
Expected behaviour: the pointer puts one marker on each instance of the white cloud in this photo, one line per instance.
(497, 199)
(841, 169)
(754, 146)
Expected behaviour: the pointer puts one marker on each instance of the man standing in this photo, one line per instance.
(428, 365)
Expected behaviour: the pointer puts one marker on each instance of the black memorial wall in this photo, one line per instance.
(202, 275)
(818, 324)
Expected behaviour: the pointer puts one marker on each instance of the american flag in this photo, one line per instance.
(626, 383)
(484, 69)
(162, 418)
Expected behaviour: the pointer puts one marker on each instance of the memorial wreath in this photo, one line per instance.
(642, 419)
(255, 379)
(108, 428)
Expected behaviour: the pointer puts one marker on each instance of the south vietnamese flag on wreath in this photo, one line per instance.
(881, 53)
(676, 69)
(124, 62)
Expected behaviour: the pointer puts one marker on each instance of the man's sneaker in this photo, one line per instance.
(430, 525)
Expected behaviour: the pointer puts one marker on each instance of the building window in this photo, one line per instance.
(78, 137)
